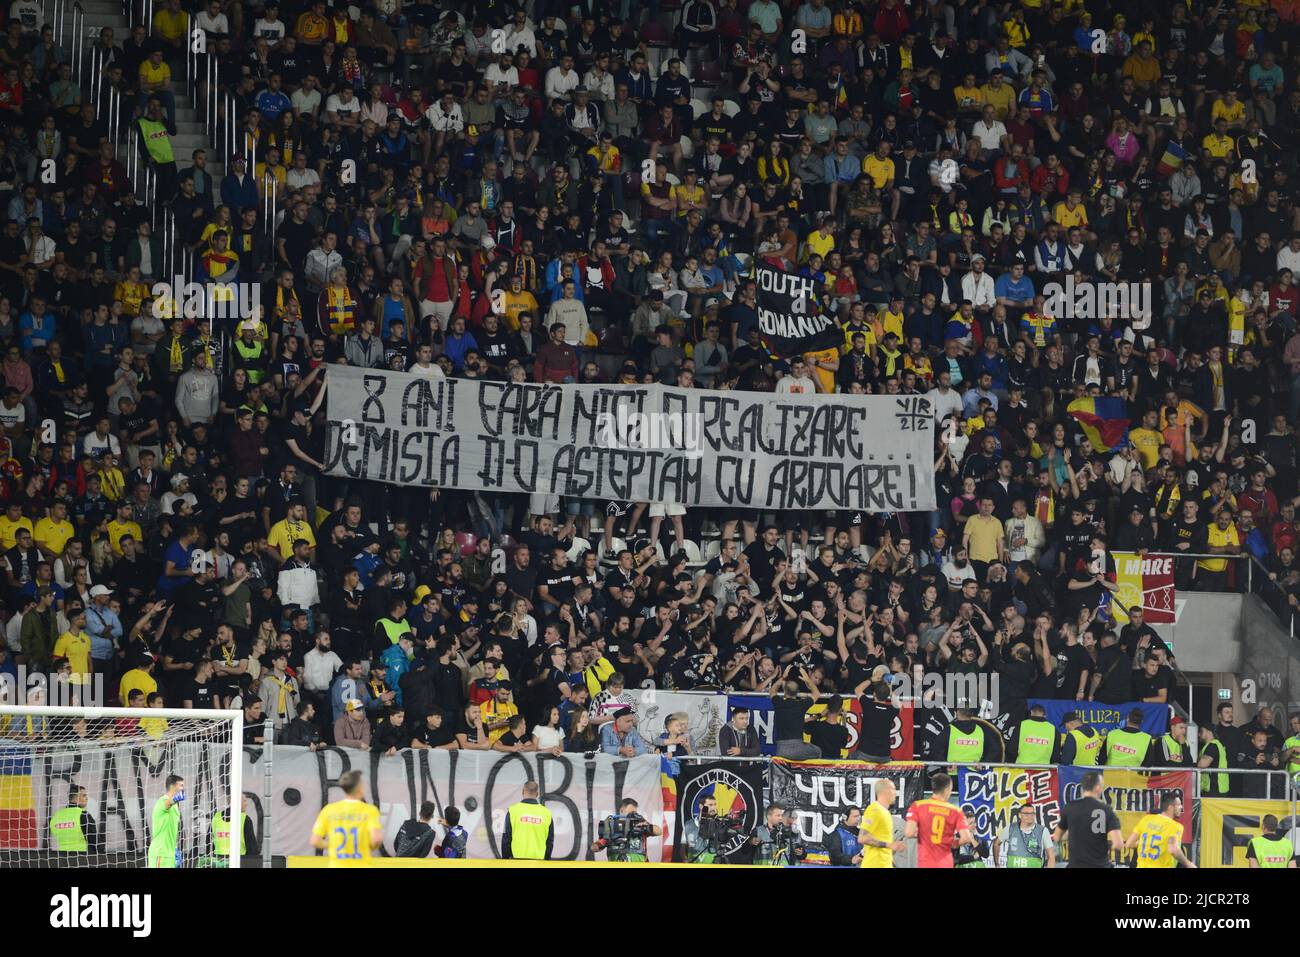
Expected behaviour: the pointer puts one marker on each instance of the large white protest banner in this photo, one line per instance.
(633, 443)
(125, 780)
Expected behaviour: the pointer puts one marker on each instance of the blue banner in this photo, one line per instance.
(1106, 717)
(761, 717)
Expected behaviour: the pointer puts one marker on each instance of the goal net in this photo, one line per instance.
(79, 787)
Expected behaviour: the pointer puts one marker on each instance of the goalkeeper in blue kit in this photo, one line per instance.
(163, 849)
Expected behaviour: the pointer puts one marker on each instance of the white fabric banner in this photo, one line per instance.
(621, 443)
(580, 792)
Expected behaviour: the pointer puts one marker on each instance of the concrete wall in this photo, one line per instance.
(1206, 636)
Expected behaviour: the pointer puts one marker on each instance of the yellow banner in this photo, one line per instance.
(1228, 824)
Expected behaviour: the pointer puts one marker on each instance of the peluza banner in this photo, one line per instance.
(633, 443)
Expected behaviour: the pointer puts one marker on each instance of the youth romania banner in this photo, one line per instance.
(1146, 582)
(790, 313)
(1228, 824)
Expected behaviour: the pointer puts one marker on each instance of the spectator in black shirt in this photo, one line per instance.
(877, 729)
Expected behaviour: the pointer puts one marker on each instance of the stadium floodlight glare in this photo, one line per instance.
(113, 764)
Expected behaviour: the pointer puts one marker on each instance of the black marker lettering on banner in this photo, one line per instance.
(520, 409)
(372, 410)
(734, 479)
(593, 408)
(429, 404)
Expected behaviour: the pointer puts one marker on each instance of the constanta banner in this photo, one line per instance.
(1228, 824)
(1133, 794)
(633, 443)
(1146, 582)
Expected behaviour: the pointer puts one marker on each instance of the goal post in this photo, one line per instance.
(78, 785)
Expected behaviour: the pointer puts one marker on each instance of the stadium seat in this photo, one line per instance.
(694, 559)
(712, 549)
(616, 545)
(730, 107)
(466, 541)
(579, 548)
(709, 71)
(699, 107)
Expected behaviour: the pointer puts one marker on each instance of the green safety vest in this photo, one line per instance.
(1292, 766)
(395, 629)
(66, 832)
(1172, 747)
(1272, 852)
(251, 354)
(221, 835)
(156, 140)
(529, 825)
(1127, 749)
(965, 747)
(1086, 747)
(1035, 742)
(1025, 850)
(1216, 783)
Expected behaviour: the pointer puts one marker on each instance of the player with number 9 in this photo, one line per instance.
(348, 831)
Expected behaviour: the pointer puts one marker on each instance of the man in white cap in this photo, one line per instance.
(104, 627)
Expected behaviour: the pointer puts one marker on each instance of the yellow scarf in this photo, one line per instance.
(282, 703)
(177, 357)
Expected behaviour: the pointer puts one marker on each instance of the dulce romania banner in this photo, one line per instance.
(989, 797)
(1228, 824)
(624, 443)
(1146, 582)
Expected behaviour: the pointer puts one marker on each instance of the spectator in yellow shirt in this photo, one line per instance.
(10, 523)
(821, 240)
(122, 526)
(1221, 538)
(172, 25)
(289, 529)
(1229, 109)
(53, 531)
(74, 645)
(880, 167)
(313, 26)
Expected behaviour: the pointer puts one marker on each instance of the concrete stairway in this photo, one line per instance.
(190, 131)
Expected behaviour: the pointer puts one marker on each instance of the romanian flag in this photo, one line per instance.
(17, 802)
(1171, 161)
(668, 771)
(1104, 420)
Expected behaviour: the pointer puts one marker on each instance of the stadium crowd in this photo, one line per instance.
(574, 193)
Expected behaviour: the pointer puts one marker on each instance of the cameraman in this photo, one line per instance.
(623, 835)
(778, 843)
(712, 831)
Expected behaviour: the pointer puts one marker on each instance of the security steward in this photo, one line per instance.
(72, 829)
(1213, 755)
(1036, 739)
(1082, 744)
(1269, 849)
(1170, 750)
(221, 831)
(530, 830)
(1129, 746)
(968, 741)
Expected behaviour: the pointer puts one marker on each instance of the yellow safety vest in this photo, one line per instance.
(66, 832)
(1086, 748)
(1036, 741)
(1127, 749)
(221, 834)
(394, 629)
(156, 140)
(1216, 784)
(529, 824)
(965, 747)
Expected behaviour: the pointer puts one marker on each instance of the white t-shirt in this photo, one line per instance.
(335, 104)
(11, 417)
(272, 31)
(305, 102)
(796, 384)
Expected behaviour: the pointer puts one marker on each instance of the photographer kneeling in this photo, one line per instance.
(623, 835)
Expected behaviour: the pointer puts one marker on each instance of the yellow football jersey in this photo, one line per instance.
(347, 826)
(1158, 835)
